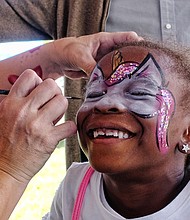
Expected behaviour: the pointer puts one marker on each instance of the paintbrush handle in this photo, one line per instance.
(6, 92)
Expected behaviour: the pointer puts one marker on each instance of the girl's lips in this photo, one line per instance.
(112, 126)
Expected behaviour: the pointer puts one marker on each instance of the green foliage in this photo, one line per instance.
(37, 199)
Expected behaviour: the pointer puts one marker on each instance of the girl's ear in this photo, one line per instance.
(186, 136)
(184, 146)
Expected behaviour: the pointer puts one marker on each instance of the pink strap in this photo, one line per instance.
(81, 193)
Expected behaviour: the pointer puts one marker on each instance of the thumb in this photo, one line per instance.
(81, 64)
(88, 65)
(87, 62)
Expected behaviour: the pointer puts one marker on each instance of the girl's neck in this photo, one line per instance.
(133, 199)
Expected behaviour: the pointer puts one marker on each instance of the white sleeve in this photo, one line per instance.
(57, 206)
(64, 199)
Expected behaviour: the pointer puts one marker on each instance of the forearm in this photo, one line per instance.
(72, 57)
(11, 191)
(42, 59)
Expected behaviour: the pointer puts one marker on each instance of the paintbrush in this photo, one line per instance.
(6, 92)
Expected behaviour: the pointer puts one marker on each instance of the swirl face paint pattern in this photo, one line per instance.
(144, 90)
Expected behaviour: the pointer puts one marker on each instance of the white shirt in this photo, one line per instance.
(95, 206)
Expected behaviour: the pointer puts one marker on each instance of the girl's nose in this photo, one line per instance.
(109, 105)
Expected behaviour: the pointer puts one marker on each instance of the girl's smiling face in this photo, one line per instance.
(123, 122)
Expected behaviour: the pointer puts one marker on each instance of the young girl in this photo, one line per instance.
(134, 127)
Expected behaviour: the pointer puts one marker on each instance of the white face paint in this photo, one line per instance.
(140, 88)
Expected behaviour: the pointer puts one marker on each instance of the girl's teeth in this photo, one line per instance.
(109, 133)
(120, 134)
(115, 133)
(125, 135)
(95, 134)
(101, 133)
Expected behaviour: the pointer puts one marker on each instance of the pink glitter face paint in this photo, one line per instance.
(143, 88)
(124, 71)
(121, 69)
(165, 112)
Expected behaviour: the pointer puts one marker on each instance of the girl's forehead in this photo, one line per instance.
(130, 54)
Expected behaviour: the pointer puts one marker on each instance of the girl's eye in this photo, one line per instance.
(95, 94)
(140, 93)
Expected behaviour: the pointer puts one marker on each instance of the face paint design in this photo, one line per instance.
(34, 49)
(146, 91)
(12, 78)
(38, 70)
(165, 112)
(121, 69)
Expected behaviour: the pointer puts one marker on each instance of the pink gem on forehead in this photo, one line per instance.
(123, 71)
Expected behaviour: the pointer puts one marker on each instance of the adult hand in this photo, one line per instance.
(27, 123)
(78, 56)
(70, 56)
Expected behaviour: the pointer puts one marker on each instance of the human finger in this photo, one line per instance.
(54, 108)
(43, 93)
(94, 47)
(26, 82)
(104, 42)
(64, 130)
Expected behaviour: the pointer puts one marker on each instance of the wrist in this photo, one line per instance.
(11, 191)
(12, 172)
(53, 59)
